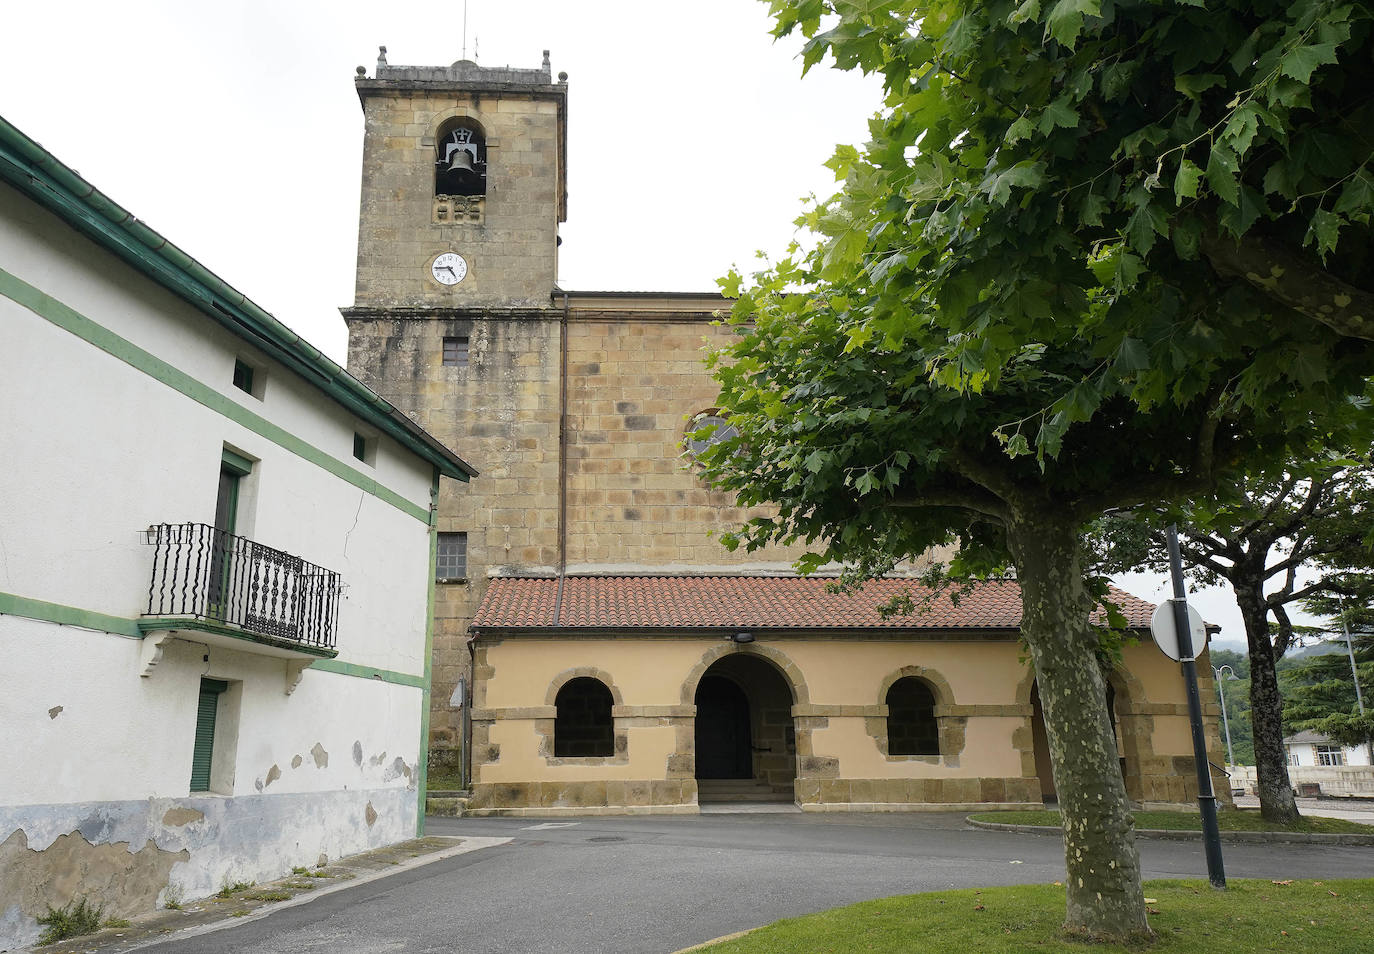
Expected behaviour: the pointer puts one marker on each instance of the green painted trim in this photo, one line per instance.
(68, 319)
(12, 605)
(237, 462)
(156, 624)
(429, 654)
(368, 672)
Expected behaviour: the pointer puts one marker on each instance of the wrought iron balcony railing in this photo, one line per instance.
(203, 572)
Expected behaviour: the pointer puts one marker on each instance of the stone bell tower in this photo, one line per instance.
(455, 319)
(465, 163)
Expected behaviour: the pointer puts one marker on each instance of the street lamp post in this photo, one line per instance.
(1354, 673)
(1230, 759)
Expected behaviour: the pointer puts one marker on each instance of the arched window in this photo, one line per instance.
(911, 725)
(582, 726)
(460, 160)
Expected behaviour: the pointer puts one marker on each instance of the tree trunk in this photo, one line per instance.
(1266, 708)
(1105, 900)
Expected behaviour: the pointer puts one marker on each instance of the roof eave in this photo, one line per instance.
(42, 177)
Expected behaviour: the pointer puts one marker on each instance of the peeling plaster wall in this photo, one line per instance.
(133, 855)
(120, 736)
(95, 743)
(307, 772)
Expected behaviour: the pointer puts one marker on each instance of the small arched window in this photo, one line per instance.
(460, 161)
(583, 726)
(911, 725)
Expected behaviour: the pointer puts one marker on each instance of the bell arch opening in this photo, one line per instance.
(460, 161)
(745, 738)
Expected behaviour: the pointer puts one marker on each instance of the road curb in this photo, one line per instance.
(1234, 837)
(716, 940)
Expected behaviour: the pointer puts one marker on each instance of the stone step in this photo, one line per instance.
(767, 795)
(738, 790)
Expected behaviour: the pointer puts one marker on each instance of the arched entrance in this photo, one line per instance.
(745, 740)
(1042, 745)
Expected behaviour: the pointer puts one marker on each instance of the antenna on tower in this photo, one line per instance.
(465, 29)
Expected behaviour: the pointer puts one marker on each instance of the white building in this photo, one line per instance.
(217, 557)
(1314, 749)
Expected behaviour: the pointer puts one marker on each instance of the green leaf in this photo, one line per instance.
(1325, 229)
(815, 461)
(1025, 174)
(1300, 62)
(1116, 79)
(1058, 113)
(1357, 197)
(1222, 172)
(961, 36)
(1132, 356)
(1238, 218)
(1019, 130)
(1065, 20)
(1028, 10)
(1185, 182)
(730, 284)
(1195, 84)
(1093, 207)
(1240, 129)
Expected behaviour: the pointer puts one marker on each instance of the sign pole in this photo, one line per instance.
(1206, 798)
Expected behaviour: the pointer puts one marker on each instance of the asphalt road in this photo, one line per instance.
(644, 885)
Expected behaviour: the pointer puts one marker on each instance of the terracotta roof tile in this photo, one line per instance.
(748, 602)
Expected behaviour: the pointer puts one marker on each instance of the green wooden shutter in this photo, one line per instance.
(205, 733)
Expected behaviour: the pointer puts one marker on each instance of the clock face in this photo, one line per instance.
(449, 268)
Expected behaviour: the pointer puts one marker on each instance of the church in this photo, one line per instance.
(595, 649)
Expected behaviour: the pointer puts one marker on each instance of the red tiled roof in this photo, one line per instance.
(749, 602)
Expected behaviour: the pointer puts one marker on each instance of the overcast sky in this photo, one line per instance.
(233, 129)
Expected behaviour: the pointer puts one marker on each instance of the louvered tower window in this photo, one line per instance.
(203, 756)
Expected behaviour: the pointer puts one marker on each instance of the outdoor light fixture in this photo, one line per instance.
(743, 638)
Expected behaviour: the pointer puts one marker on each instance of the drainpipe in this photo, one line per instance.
(562, 460)
(470, 691)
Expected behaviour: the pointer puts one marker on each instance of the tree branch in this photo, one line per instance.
(975, 499)
(1292, 280)
(1284, 637)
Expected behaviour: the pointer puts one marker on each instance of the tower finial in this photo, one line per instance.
(465, 29)
(381, 57)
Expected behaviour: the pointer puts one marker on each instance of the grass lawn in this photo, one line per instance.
(1189, 917)
(1241, 819)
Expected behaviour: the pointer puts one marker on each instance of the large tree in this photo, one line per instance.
(1010, 323)
(1278, 540)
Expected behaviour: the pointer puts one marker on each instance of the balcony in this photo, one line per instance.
(234, 592)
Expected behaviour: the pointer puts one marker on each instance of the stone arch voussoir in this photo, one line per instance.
(789, 670)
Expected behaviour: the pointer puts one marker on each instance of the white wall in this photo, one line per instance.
(1306, 753)
(94, 450)
(105, 450)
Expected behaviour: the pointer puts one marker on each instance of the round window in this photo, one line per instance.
(720, 429)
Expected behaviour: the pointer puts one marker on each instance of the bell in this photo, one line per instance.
(461, 161)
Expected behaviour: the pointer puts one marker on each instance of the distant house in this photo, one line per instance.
(1314, 749)
(217, 557)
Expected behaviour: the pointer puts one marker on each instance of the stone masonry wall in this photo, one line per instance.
(634, 500)
(511, 254)
(634, 503)
(501, 414)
